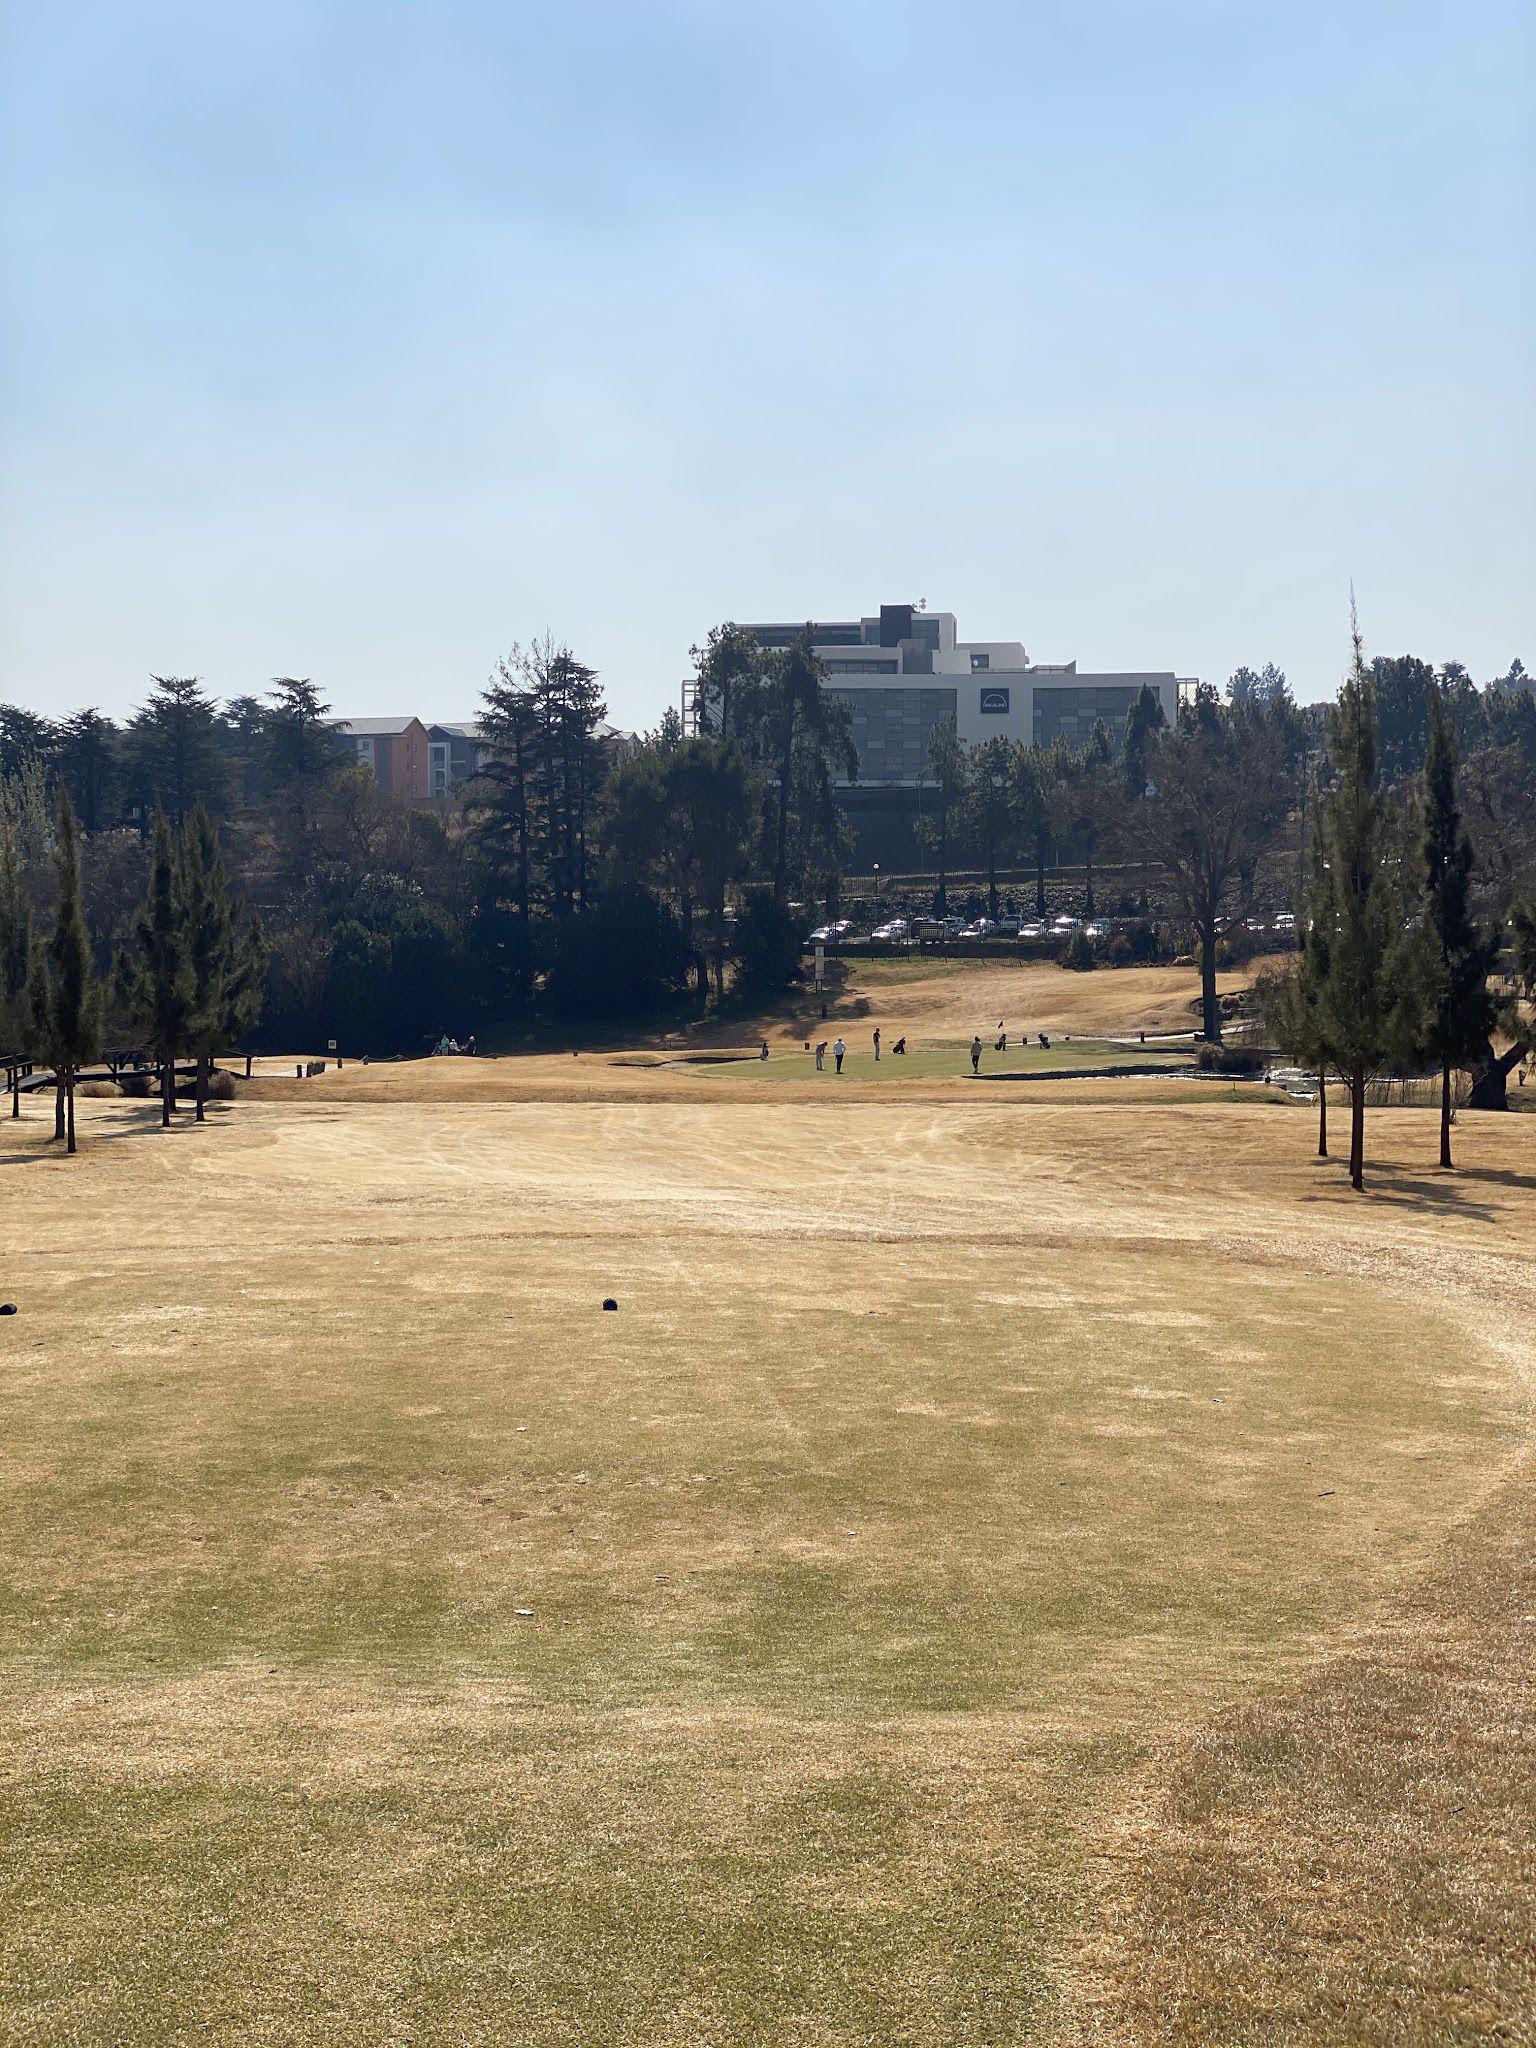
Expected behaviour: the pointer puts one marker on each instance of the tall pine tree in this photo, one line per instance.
(210, 942)
(1360, 1006)
(161, 990)
(16, 945)
(1459, 955)
(66, 1000)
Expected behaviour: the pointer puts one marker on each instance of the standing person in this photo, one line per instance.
(821, 1055)
(877, 1045)
(1002, 1040)
(764, 1053)
(976, 1054)
(838, 1049)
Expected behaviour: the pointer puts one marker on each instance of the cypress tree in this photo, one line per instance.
(1293, 1002)
(1459, 956)
(16, 945)
(1360, 1002)
(208, 929)
(66, 1000)
(162, 986)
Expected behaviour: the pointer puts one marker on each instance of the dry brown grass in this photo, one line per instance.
(965, 1483)
(1349, 1859)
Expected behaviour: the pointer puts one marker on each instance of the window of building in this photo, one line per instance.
(893, 728)
(1069, 714)
(979, 662)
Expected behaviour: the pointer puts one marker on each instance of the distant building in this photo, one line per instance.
(395, 749)
(904, 671)
(418, 761)
(454, 754)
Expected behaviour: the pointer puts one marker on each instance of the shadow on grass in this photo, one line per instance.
(1443, 1193)
(142, 1120)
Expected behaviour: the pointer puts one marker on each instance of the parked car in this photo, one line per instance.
(897, 929)
(1097, 929)
(1006, 928)
(982, 928)
(1064, 925)
(1032, 928)
(1285, 922)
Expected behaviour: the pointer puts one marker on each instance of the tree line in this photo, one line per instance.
(1400, 958)
(188, 984)
(573, 880)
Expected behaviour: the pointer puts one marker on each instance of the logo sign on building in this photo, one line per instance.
(994, 700)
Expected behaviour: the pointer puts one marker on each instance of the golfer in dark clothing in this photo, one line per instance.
(877, 1044)
(976, 1055)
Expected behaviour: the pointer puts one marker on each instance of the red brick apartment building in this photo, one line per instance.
(394, 748)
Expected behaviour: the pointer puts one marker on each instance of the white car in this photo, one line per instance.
(1097, 930)
(1063, 925)
(1032, 930)
(898, 928)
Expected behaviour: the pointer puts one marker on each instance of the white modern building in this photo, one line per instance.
(906, 670)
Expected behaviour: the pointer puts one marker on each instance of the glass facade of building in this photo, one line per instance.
(892, 729)
(1069, 714)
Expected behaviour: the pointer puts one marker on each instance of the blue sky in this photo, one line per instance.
(357, 340)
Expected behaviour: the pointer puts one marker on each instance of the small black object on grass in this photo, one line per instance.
(7, 1308)
(610, 1303)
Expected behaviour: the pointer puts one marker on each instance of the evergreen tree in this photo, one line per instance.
(25, 737)
(16, 947)
(711, 806)
(300, 756)
(66, 1001)
(87, 761)
(795, 704)
(947, 774)
(162, 990)
(565, 710)
(1460, 956)
(992, 806)
(1361, 1003)
(1085, 799)
(731, 688)
(1038, 775)
(500, 803)
(1144, 718)
(177, 756)
(1292, 1002)
(209, 939)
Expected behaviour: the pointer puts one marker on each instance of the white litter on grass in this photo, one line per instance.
(523, 1613)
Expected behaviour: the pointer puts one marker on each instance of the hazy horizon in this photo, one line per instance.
(358, 340)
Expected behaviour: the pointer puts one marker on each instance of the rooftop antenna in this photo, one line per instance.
(922, 604)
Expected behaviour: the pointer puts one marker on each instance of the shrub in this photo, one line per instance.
(769, 939)
(1078, 953)
(1136, 946)
(621, 957)
(1228, 1059)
